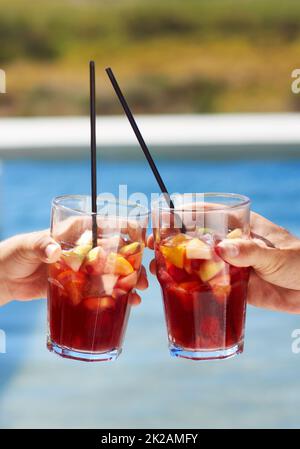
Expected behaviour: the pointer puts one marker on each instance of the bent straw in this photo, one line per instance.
(140, 139)
(93, 151)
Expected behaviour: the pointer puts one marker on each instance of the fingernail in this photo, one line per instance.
(228, 249)
(50, 250)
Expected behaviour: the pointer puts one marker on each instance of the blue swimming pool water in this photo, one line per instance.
(145, 387)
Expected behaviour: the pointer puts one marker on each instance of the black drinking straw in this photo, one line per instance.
(93, 151)
(140, 139)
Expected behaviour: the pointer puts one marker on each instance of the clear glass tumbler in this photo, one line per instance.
(204, 297)
(89, 286)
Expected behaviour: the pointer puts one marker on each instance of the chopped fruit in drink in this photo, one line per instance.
(166, 233)
(86, 238)
(179, 291)
(190, 286)
(130, 249)
(178, 239)
(111, 244)
(73, 284)
(204, 231)
(127, 282)
(221, 287)
(174, 254)
(108, 281)
(95, 304)
(70, 276)
(209, 269)
(188, 265)
(235, 234)
(116, 264)
(192, 265)
(197, 249)
(74, 257)
(177, 274)
(107, 302)
(195, 264)
(95, 260)
(135, 260)
(93, 287)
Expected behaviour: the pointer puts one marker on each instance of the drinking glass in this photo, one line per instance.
(89, 286)
(204, 297)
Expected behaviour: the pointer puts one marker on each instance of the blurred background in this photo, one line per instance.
(172, 56)
(219, 69)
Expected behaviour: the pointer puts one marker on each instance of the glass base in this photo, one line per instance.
(216, 354)
(68, 353)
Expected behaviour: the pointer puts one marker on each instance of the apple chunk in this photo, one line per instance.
(235, 234)
(209, 269)
(130, 249)
(197, 249)
(95, 260)
(108, 282)
(86, 238)
(74, 257)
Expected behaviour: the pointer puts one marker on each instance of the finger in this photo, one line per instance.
(134, 299)
(278, 266)
(152, 267)
(268, 296)
(150, 241)
(38, 247)
(142, 282)
(277, 235)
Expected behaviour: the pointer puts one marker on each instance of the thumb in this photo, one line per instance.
(39, 247)
(277, 266)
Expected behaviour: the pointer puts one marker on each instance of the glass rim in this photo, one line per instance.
(243, 201)
(56, 202)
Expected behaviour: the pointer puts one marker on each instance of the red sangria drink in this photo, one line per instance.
(89, 287)
(204, 297)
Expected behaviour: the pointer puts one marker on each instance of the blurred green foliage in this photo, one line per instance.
(171, 55)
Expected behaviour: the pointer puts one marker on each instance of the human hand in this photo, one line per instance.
(274, 280)
(23, 267)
